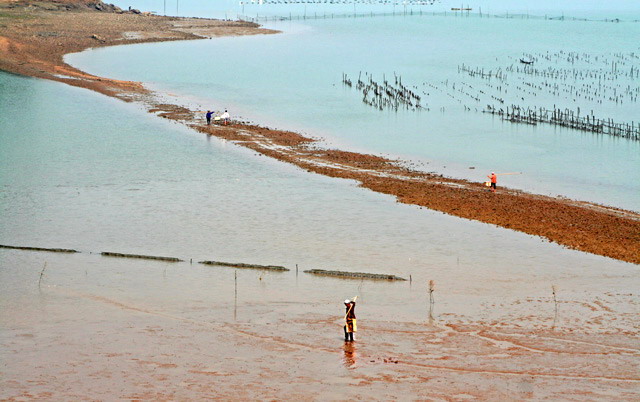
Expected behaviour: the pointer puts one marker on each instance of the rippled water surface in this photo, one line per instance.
(83, 171)
(293, 80)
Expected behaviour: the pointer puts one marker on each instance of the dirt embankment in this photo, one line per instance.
(34, 38)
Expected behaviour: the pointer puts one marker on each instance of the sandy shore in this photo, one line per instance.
(35, 36)
(33, 41)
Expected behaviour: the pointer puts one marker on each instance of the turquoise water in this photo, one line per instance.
(79, 170)
(293, 81)
(595, 9)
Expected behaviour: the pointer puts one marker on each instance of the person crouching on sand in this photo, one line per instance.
(350, 319)
(494, 181)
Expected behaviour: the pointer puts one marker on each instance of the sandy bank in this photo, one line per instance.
(35, 36)
(33, 41)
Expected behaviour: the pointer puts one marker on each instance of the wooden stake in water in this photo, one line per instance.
(555, 302)
(432, 288)
(235, 295)
(42, 274)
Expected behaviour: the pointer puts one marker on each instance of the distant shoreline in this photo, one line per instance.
(33, 42)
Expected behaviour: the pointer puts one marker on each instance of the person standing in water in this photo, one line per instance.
(494, 181)
(350, 319)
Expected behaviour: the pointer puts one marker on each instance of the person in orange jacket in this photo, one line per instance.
(494, 181)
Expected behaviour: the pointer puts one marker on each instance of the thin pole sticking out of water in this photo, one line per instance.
(555, 302)
(235, 295)
(432, 288)
(42, 274)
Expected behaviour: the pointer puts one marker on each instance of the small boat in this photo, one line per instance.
(523, 61)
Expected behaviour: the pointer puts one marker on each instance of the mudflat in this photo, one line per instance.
(91, 331)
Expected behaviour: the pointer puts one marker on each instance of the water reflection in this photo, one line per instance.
(431, 319)
(432, 288)
(235, 295)
(350, 355)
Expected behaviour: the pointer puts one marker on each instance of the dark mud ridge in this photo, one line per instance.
(249, 266)
(52, 250)
(144, 257)
(354, 275)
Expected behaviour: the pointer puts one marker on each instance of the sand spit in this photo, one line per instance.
(33, 41)
(35, 36)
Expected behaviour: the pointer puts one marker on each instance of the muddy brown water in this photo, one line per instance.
(105, 328)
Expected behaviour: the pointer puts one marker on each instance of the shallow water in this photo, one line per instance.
(80, 170)
(293, 81)
(139, 184)
(593, 9)
(73, 176)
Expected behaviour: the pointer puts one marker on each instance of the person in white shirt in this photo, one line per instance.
(225, 117)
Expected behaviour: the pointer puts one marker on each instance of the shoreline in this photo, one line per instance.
(33, 43)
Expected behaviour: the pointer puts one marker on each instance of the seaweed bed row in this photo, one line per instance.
(277, 268)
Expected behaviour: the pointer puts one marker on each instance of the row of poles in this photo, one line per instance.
(607, 88)
(567, 118)
(462, 11)
(500, 89)
(324, 15)
(385, 95)
(366, 2)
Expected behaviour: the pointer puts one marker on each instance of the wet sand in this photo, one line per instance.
(100, 336)
(33, 42)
